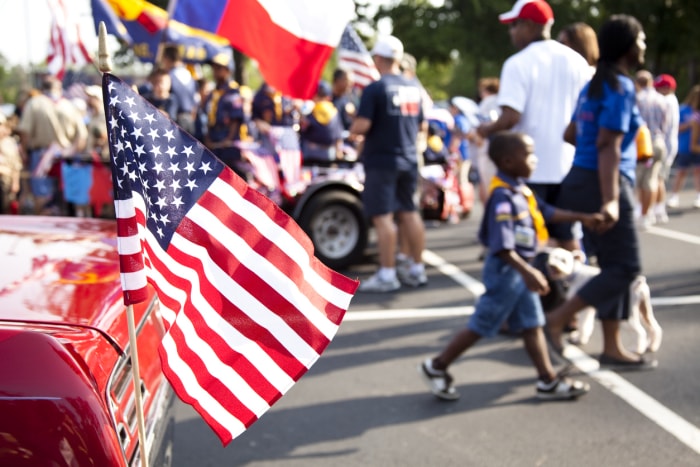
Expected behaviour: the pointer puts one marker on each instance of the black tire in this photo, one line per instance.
(335, 222)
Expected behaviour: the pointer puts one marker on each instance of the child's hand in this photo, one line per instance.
(535, 281)
(592, 221)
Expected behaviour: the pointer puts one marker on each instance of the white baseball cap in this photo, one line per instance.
(388, 47)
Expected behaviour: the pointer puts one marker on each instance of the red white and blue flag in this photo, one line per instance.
(291, 39)
(354, 57)
(66, 45)
(248, 308)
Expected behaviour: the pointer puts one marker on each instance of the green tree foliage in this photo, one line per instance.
(461, 40)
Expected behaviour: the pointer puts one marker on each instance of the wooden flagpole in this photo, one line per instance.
(105, 65)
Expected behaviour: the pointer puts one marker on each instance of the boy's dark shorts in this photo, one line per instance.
(388, 191)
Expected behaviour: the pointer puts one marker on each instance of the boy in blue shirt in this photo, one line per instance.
(512, 229)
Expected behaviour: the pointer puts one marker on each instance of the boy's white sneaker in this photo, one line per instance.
(673, 201)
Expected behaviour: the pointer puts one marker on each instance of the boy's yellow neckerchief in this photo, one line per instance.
(535, 213)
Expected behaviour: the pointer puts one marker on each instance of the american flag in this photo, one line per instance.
(285, 144)
(353, 56)
(247, 307)
(66, 46)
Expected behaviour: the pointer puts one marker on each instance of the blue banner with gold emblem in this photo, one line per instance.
(143, 26)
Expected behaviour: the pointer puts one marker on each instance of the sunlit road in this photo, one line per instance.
(363, 402)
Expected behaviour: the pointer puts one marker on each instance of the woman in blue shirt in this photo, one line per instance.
(603, 129)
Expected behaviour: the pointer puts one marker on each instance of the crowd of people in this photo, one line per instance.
(54, 149)
(571, 149)
(583, 148)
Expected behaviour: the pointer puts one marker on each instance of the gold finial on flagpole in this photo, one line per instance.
(104, 60)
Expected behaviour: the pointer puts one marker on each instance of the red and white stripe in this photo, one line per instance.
(248, 307)
(291, 39)
(66, 46)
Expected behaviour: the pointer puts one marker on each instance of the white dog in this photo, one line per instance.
(569, 266)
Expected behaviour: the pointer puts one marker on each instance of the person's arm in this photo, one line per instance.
(360, 126)
(570, 133)
(589, 220)
(534, 279)
(508, 119)
(694, 136)
(609, 153)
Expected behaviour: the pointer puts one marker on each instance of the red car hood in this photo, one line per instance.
(59, 270)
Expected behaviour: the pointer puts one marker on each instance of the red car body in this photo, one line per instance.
(66, 386)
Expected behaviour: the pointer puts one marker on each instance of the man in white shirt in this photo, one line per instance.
(665, 85)
(539, 87)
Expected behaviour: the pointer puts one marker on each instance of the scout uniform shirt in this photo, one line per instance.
(513, 218)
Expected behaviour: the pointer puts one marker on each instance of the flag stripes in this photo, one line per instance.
(247, 307)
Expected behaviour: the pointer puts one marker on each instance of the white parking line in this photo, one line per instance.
(665, 418)
(683, 237)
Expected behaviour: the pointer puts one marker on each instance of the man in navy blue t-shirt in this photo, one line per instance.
(389, 118)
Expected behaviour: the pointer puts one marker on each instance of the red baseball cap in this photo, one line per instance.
(537, 11)
(665, 80)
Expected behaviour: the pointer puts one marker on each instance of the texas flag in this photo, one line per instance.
(290, 39)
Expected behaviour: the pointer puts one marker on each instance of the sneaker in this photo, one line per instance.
(377, 284)
(645, 222)
(673, 201)
(439, 381)
(411, 278)
(561, 389)
(661, 217)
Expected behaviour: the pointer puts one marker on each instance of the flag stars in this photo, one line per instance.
(177, 202)
(149, 118)
(189, 168)
(191, 184)
(137, 133)
(159, 231)
(153, 134)
(164, 219)
(119, 146)
(155, 150)
(158, 167)
(205, 168)
(187, 150)
(160, 185)
(171, 152)
(161, 203)
(133, 176)
(175, 185)
(113, 122)
(174, 168)
(169, 134)
(139, 150)
(130, 100)
(134, 117)
(114, 100)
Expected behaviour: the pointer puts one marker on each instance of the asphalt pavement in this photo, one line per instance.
(364, 404)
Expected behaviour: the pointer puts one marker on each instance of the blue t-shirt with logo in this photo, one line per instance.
(393, 104)
(616, 111)
(686, 116)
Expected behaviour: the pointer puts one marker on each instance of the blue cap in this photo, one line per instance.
(324, 89)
